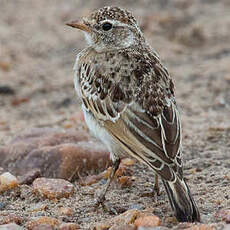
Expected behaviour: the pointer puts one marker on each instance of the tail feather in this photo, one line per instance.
(181, 201)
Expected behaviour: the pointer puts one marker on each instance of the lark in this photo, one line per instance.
(129, 103)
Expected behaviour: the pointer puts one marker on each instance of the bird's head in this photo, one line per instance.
(109, 28)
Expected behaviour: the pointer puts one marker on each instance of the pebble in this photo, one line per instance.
(8, 181)
(11, 226)
(44, 220)
(5, 66)
(53, 188)
(147, 221)
(224, 215)
(2, 205)
(124, 219)
(17, 101)
(44, 227)
(196, 226)
(9, 218)
(65, 211)
(69, 226)
(125, 181)
(123, 227)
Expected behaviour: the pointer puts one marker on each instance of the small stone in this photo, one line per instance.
(202, 227)
(128, 161)
(18, 101)
(37, 207)
(69, 226)
(11, 226)
(2, 205)
(65, 211)
(9, 218)
(125, 181)
(148, 221)
(91, 179)
(5, 66)
(101, 226)
(53, 188)
(123, 227)
(124, 219)
(224, 215)
(44, 220)
(44, 227)
(152, 228)
(8, 181)
(127, 217)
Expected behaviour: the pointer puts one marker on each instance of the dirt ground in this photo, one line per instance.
(37, 53)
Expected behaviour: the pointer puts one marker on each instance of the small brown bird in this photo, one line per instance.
(129, 103)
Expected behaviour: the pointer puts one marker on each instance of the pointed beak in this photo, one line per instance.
(79, 24)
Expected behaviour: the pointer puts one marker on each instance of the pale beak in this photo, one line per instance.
(79, 25)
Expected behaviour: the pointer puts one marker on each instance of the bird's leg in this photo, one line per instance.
(101, 197)
(156, 185)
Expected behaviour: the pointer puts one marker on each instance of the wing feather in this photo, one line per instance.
(152, 139)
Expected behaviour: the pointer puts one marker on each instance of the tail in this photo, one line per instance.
(181, 201)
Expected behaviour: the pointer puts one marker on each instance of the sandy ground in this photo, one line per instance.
(37, 53)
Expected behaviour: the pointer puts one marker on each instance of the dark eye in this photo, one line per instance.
(106, 26)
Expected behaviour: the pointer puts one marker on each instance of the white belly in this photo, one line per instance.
(97, 130)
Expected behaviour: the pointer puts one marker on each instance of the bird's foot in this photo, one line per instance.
(106, 207)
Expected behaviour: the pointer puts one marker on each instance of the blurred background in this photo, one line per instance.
(37, 53)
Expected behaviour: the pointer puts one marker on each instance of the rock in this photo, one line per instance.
(101, 226)
(10, 218)
(224, 215)
(11, 226)
(55, 153)
(69, 226)
(44, 220)
(191, 226)
(65, 211)
(152, 228)
(123, 227)
(127, 161)
(8, 181)
(5, 66)
(124, 219)
(125, 181)
(37, 207)
(17, 101)
(147, 221)
(2, 205)
(44, 227)
(53, 188)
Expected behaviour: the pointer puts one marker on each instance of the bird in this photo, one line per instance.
(128, 102)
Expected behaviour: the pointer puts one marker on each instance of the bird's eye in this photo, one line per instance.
(106, 26)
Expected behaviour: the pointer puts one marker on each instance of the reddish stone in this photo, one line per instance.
(69, 226)
(40, 221)
(148, 221)
(53, 188)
